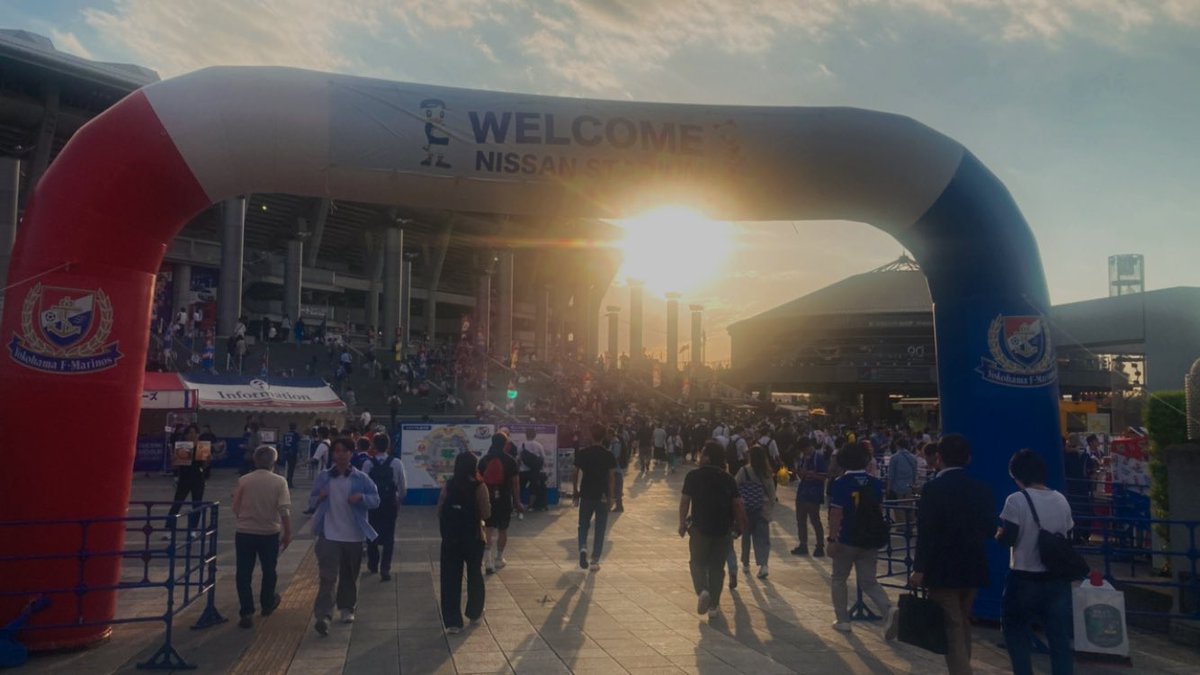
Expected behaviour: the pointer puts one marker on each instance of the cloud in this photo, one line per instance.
(568, 46)
(174, 38)
(69, 42)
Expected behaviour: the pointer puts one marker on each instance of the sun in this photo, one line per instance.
(673, 248)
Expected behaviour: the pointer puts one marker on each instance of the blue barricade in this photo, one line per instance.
(176, 553)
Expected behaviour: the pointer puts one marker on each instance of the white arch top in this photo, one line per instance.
(287, 130)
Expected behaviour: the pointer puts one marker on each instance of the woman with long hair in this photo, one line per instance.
(756, 484)
(462, 507)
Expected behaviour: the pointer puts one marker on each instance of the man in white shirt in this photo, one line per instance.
(531, 467)
(765, 440)
(721, 431)
(261, 504)
(1030, 595)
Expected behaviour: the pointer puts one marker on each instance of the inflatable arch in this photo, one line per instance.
(76, 320)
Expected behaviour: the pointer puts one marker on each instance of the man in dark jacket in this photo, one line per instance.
(955, 518)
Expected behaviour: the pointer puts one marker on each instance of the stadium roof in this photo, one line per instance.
(897, 287)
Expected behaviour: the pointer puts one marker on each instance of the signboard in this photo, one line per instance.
(566, 466)
(245, 394)
(182, 454)
(150, 453)
(1131, 463)
(428, 450)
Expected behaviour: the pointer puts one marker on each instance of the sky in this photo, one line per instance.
(1085, 109)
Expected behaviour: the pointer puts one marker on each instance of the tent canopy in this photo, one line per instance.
(166, 391)
(242, 393)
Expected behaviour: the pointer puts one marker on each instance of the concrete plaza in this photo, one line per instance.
(545, 615)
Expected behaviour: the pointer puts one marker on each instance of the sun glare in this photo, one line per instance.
(673, 248)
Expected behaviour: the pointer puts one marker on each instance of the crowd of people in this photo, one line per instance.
(854, 485)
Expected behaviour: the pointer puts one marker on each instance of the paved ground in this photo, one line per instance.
(544, 615)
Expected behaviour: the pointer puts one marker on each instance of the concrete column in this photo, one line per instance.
(393, 262)
(558, 321)
(181, 288)
(46, 133)
(10, 182)
(697, 348)
(233, 241)
(591, 323)
(375, 283)
(614, 325)
(293, 280)
(434, 279)
(483, 312)
(541, 323)
(406, 298)
(673, 332)
(504, 317)
(635, 321)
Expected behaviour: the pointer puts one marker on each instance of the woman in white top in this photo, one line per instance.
(1031, 595)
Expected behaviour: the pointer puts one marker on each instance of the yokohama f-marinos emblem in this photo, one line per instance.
(65, 331)
(1022, 354)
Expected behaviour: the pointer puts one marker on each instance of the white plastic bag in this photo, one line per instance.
(1099, 618)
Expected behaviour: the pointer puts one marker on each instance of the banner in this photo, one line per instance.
(566, 465)
(428, 450)
(237, 393)
(151, 451)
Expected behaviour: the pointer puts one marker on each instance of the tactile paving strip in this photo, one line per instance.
(277, 637)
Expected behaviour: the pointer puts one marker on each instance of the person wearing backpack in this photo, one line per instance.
(858, 530)
(387, 471)
(463, 505)
(501, 477)
(620, 453)
(756, 485)
(532, 460)
(710, 514)
(1032, 594)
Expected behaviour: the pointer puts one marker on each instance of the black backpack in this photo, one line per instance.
(381, 473)
(459, 519)
(1061, 559)
(531, 459)
(869, 529)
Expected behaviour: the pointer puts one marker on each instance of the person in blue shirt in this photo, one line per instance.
(849, 500)
(812, 466)
(291, 452)
(341, 498)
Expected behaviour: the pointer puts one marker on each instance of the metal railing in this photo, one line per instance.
(162, 552)
(1119, 546)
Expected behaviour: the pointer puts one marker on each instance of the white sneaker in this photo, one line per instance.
(595, 565)
(762, 571)
(453, 630)
(500, 562)
(891, 626)
(703, 602)
(842, 626)
(347, 616)
(746, 568)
